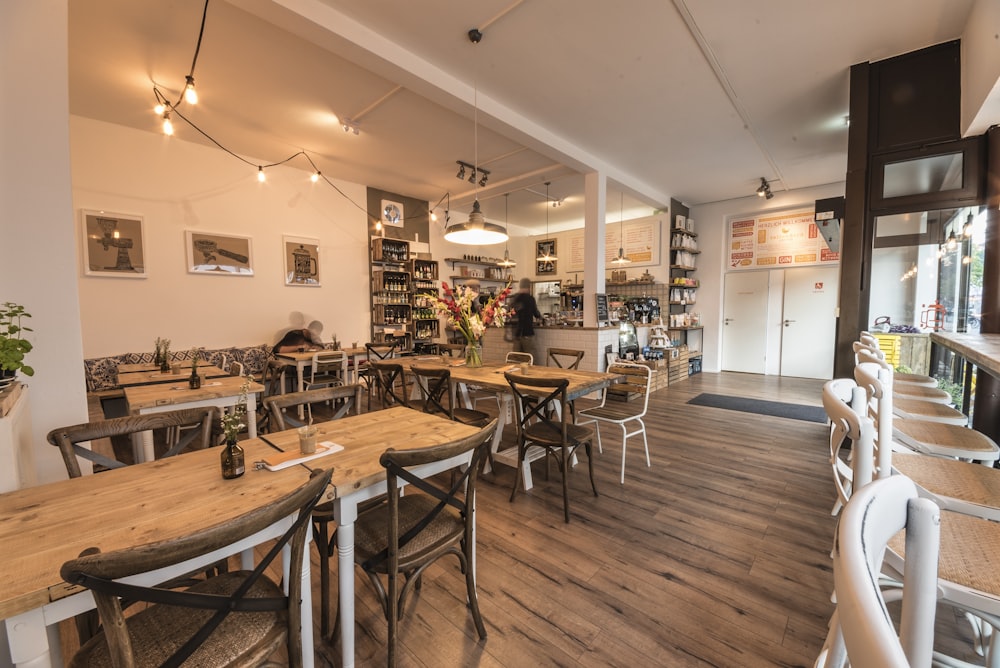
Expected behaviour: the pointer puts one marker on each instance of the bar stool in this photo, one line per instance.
(872, 345)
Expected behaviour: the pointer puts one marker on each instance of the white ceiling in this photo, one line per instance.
(691, 99)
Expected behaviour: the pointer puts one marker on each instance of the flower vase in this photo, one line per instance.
(473, 354)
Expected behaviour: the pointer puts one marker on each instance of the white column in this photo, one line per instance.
(595, 200)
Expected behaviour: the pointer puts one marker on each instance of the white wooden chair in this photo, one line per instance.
(844, 402)
(626, 414)
(874, 515)
(328, 368)
(920, 435)
(909, 407)
(870, 345)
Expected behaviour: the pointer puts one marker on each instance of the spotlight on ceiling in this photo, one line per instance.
(461, 171)
(764, 190)
(475, 172)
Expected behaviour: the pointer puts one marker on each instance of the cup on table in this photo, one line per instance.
(354, 344)
(176, 368)
(307, 439)
(524, 368)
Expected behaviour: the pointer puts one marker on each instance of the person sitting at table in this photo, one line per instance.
(296, 340)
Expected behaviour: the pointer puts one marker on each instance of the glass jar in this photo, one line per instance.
(233, 465)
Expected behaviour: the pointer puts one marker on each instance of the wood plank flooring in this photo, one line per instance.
(716, 555)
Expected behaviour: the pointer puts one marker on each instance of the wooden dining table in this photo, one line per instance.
(45, 526)
(158, 377)
(358, 476)
(223, 393)
(490, 377)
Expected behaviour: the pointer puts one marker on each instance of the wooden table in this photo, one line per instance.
(221, 393)
(983, 351)
(43, 527)
(491, 377)
(156, 377)
(357, 476)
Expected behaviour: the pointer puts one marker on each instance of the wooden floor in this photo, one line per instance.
(716, 555)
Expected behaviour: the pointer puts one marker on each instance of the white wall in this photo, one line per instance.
(178, 185)
(38, 268)
(710, 224)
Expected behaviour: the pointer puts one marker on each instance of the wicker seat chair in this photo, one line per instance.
(410, 532)
(237, 618)
(387, 381)
(343, 398)
(199, 422)
(537, 400)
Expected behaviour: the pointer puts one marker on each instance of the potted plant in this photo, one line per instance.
(13, 347)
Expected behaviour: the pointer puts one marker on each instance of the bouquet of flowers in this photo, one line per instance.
(232, 420)
(463, 315)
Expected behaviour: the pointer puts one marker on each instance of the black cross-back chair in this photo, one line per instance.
(535, 399)
(388, 379)
(374, 352)
(411, 531)
(438, 390)
(236, 618)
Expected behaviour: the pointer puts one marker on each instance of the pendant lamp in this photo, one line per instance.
(476, 231)
(547, 256)
(622, 258)
(506, 261)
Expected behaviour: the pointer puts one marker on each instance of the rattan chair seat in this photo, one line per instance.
(156, 632)
(921, 392)
(370, 537)
(915, 379)
(972, 483)
(969, 549)
(945, 440)
(549, 434)
(928, 410)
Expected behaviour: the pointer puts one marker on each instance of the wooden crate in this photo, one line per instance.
(890, 344)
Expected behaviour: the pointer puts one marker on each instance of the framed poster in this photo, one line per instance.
(222, 254)
(542, 248)
(301, 261)
(113, 244)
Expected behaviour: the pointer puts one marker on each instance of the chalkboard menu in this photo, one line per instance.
(602, 308)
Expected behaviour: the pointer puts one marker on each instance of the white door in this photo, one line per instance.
(809, 322)
(744, 322)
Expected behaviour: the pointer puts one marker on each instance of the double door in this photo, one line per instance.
(780, 322)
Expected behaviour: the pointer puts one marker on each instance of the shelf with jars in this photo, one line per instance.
(425, 285)
(683, 323)
(392, 284)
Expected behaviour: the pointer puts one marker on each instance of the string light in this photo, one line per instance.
(260, 174)
(314, 177)
(190, 94)
(168, 126)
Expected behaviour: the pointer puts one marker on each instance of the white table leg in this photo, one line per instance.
(252, 415)
(348, 512)
(148, 453)
(300, 366)
(308, 653)
(31, 643)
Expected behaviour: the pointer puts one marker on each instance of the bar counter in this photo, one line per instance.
(983, 351)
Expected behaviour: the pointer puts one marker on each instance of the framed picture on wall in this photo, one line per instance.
(113, 244)
(301, 261)
(546, 247)
(222, 254)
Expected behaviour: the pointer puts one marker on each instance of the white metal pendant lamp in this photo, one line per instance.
(476, 231)
(622, 258)
(547, 256)
(506, 261)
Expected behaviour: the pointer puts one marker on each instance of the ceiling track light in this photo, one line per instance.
(350, 126)
(476, 231)
(764, 190)
(473, 171)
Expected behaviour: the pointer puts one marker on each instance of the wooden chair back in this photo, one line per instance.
(519, 358)
(565, 358)
(102, 572)
(343, 397)
(538, 400)
(68, 439)
(446, 511)
(452, 349)
(435, 387)
(875, 514)
(389, 382)
(327, 368)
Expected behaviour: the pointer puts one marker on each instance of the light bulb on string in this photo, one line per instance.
(159, 109)
(190, 94)
(314, 177)
(168, 126)
(260, 174)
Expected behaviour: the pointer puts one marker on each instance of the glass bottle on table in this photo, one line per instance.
(233, 462)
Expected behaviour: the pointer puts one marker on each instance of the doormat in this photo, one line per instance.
(761, 407)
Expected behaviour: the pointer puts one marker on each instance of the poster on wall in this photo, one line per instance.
(301, 261)
(641, 243)
(777, 241)
(113, 245)
(221, 254)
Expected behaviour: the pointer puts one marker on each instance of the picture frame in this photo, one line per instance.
(114, 244)
(219, 254)
(545, 247)
(301, 256)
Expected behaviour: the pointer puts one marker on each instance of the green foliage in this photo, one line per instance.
(954, 389)
(13, 346)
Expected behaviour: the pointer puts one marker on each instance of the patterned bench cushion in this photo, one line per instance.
(101, 373)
